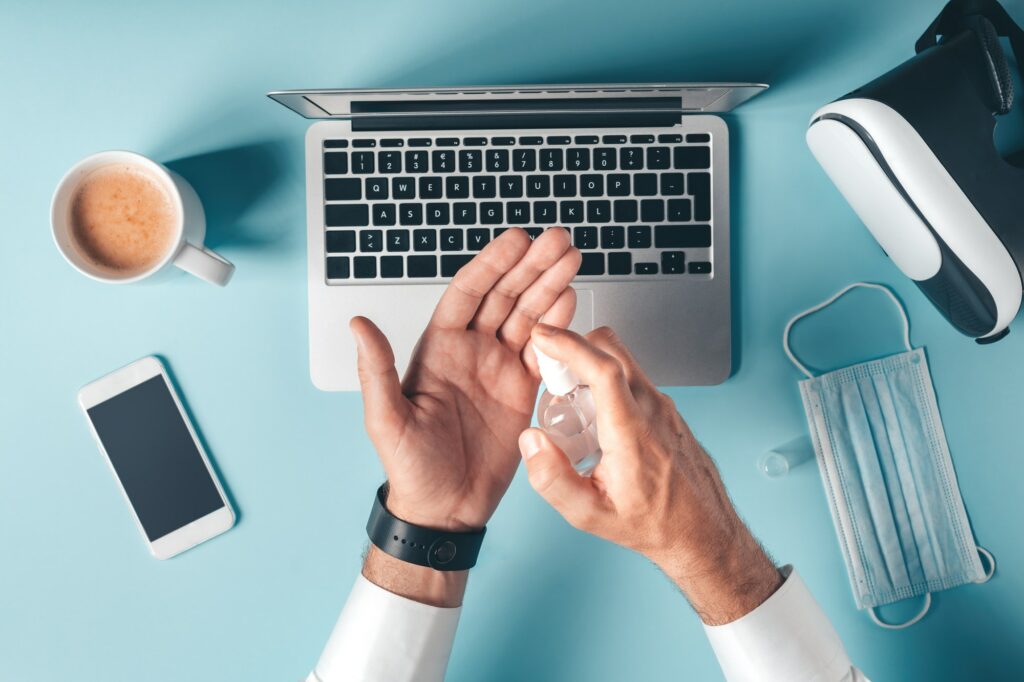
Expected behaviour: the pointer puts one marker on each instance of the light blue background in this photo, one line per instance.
(81, 599)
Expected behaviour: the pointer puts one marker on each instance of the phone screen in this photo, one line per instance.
(155, 457)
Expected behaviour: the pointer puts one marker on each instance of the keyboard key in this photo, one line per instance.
(614, 139)
(438, 214)
(639, 237)
(419, 142)
(646, 268)
(484, 187)
(464, 213)
(524, 160)
(392, 142)
(390, 162)
(333, 144)
(498, 231)
(641, 139)
(613, 237)
(618, 185)
(362, 162)
(423, 240)
(652, 210)
(700, 268)
(397, 240)
(365, 267)
(451, 240)
(698, 137)
(551, 159)
(620, 263)
(470, 161)
(692, 157)
(403, 188)
(645, 184)
(371, 241)
(517, 212)
(604, 158)
(365, 142)
(391, 267)
(335, 163)
(592, 185)
(442, 161)
(682, 237)
(342, 189)
(337, 267)
(415, 162)
(430, 188)
(592, 264)
(585, 237)
(658, 158)
(410, 214)
(340, 241)
(631, 158)
(497, 160)
(585, 139)
(538, 186)
(679, 211)
(376, 188)
(474, 141)
(503, 141)
(384, 214)
(347, 215)
(599, 211)
(577, 159)
(534, 232)
(452, 264)
(531, 140)
(672, 184)
(559, 139)
(700, 189)
(565, 185)
(421, 266)
(491, 213)
(477, 238)
(625, 210)
(572, 211)
(511, 186)
(673, 262)
(545, 213)
(456, 187)
(669, 138)
(447, 142)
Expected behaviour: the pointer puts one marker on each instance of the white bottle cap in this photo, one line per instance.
(557, 376)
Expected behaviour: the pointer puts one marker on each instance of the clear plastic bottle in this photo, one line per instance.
(566, 413)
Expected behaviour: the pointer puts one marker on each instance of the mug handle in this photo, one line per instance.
(205, 264)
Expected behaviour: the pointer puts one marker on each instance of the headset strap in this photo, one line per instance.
(951, 21)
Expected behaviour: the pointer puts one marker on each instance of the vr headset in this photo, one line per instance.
(914, 155)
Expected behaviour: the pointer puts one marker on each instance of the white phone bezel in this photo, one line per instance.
(189, 535)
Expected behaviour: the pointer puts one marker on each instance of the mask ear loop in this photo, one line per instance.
(899, 626)
(829, 301)
(991, 565)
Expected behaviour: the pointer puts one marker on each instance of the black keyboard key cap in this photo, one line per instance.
(420, 142)
(599, 211)
(347, 215)
(430, 188)
(342, 189)
(392, 142)
(572, 211)
(471, 161)
(538, 186)
(452, 264)
(679, 211)
(641, 139)
(524, 160)
(577, 159)
(456, 187)
(700, 189)
(421, 266)
(565, 185)
(559, 139)
(604, 159)
(335, 163)
(620, 263)
(658, 158)
(365, 267)
(390, 162)
(613, 237)
(618, 185)
(646, 268)
(447, 142)
(672, 184)
(384, 214)
(592, 185)
(376, 188)
(585, 237)
(416, 162)
(551, 159)
(625, 210)
(335, 144)
(639, 237)
(698, 137)
(645, 184)
(364, 143)
(545, 213)
(485, 187)
(510, 186)
(503, 141)
(403, 188)
(491, 213)
(337, 267)
(397, 240)
(438, 214)
(442, 161)
(585, 139)
(700, 268)
(631, 158)
(592, 264)
(614, 139)
(391, 267)
(410, 214)
(532, 140)
(451, 240)
(670, 139)
(682, 236)
(499, 230)
(341, 241)
(371, 241)
(652, 210)
(464, 213)
(692, 157)
(474, 141)
(497, 160)
(673, 262)
(363, 163)
(517, 212)
(477, 238)
(424, 240)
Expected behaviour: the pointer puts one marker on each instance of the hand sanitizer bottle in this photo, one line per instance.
(566, 413)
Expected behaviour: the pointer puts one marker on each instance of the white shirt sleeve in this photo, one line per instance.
(382, 637)
(788, 637)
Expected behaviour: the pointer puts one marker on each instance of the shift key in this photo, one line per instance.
(347, 215)
(682, 236)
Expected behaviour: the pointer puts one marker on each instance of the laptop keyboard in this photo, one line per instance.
(638, 206)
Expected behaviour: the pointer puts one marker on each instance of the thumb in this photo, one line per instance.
(573, 496)
(384, 404)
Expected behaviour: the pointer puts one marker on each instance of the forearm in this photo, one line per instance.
(419, 583)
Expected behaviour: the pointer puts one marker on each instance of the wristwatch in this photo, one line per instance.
(441, 550)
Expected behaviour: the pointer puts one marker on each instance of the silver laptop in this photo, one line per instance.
(403, 187)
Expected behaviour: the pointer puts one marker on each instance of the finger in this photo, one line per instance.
(471, 284)
(560, 314)
(607, 340)
(537, 298)
(573, 496)
(385, 407)
(544, 252)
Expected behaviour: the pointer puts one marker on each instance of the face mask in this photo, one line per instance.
(888, 476)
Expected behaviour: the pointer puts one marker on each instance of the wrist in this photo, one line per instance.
(419, 583)
(425, 515)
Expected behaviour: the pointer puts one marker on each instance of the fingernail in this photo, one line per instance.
(530, 444)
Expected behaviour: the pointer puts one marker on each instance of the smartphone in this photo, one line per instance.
(151, 446)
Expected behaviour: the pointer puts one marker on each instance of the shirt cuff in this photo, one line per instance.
(788, 637)
(382, 636)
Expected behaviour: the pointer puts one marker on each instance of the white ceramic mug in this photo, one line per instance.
(186, 249)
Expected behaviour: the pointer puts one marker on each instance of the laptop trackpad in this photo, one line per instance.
(583, 321)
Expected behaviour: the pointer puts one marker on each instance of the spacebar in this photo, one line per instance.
(451, 264)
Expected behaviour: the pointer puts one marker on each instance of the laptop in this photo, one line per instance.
(403, 187)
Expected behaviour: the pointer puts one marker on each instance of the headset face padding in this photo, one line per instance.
(997, 67)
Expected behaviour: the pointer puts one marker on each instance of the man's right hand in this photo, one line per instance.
(655, 490)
